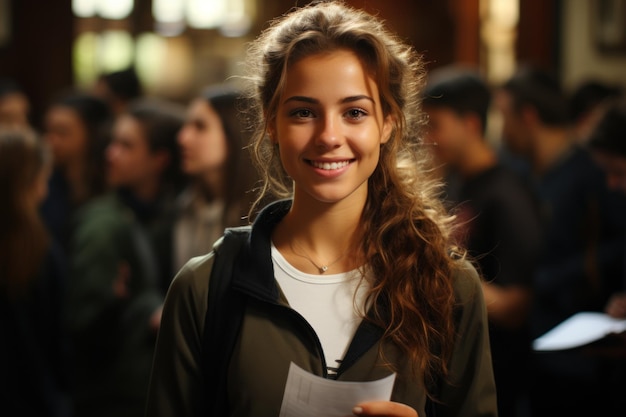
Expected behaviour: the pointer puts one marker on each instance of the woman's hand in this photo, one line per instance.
(384, 408)
(616, 307)
(155, 319)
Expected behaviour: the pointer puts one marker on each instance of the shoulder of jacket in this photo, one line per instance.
(194, 275)
(103, 208)
(466, 281)
(104, 216)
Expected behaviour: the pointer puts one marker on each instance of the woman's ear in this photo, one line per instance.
(271, 134)
(388, 125)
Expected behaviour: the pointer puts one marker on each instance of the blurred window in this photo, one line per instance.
(115, 34)
(108, 9)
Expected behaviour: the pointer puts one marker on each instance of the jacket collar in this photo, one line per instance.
(253, 274)
(254, 270)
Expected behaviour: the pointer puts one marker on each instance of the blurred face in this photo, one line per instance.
(447, 132)
(514, 131)
(66, 134)
(329, 128)
(130, 163)
(615, 168)
(202, 140)
(14, 109)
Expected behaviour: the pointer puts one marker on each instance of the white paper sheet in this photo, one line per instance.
(578, 330)
(308, 395)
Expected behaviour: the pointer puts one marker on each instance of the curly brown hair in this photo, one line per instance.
(406, 229)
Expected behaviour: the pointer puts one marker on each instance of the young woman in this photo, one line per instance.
(77, 129)
(351, 276)
(32, 274)
(219, 195)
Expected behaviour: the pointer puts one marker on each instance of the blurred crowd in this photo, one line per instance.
(102, 206)
(106, 201)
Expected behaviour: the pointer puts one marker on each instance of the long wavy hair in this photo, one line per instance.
(406, 229)
(239, 173)
(24, 239)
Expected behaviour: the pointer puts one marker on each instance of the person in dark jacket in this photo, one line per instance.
(608, 149)
(114, 298)
(351, 276)
(500, 230)
(607, 145)
(582, 228)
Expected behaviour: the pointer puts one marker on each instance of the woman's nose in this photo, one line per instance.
(329, 134)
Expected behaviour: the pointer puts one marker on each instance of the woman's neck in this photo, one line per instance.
(549, 146)
(316, 234)
(147, 191)
(75, 174)
(211, 184)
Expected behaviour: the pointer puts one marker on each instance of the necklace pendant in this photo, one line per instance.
(323, 269)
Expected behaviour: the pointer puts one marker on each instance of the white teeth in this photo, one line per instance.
(329, 165)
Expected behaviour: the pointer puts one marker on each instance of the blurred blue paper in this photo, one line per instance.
(579, 330)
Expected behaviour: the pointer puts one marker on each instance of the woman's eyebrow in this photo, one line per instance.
(315, 101)
(302, 98)
(357, 98)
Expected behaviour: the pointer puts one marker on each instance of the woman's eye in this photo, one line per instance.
(356, 113)
(302, 113)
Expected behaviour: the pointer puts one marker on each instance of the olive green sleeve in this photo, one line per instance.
(471, 391)
(176, 385)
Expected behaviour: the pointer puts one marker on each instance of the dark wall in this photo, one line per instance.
(38, 54)
(538, 33)
(428, 25)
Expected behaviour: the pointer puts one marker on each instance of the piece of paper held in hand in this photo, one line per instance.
(308, 395)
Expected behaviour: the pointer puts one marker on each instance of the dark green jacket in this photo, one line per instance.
(273, 335)
(112, 341)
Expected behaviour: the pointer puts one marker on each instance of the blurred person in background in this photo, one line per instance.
(14, 105)
(587, 103)
(221, 173)
(33, 344)
(77, 128)
(582, 228)
(119, 89)
(114, 296)
(499, 223)
(607, 143)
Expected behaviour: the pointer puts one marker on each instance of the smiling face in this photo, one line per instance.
(329, 127)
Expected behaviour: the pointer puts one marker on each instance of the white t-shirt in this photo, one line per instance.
(327, 302)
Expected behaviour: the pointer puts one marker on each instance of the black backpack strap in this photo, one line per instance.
(223, 319)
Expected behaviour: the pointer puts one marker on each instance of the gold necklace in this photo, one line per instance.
(321, 268)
